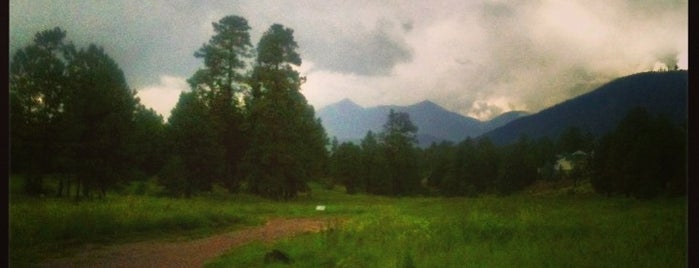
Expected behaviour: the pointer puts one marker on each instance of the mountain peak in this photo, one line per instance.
(344, 105)
(427, 104)
(348, 121)
(346, 102)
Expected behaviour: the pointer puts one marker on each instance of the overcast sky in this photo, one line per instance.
(479, 58)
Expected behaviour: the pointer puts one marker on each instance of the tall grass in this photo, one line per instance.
(46, 225)
(50, 227)
(517, 231)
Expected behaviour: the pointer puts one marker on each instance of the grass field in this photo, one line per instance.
(515, 231)
(50, 227)
(518, 231)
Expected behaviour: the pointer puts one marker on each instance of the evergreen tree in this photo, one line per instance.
(544, 157)
(221, 82)
(373, 165)
(72, 114)
(517, 169)
(196, 156)
(471, 169)
(571, 140)
(398, 143)
(38, 97)
(346, 160)
(438, 163)
(459, 181)
(643, 157)
(100, 111)
(287, 141)
(147, 142)
(486, 171)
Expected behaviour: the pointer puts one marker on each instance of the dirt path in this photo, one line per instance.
(193, 253)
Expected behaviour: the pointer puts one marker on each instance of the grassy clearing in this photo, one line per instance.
(50, 227)
(46, 226)
(518, 231)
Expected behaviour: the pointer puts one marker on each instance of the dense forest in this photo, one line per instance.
(245, 126)
(645, 156)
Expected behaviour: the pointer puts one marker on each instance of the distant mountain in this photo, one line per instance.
(346, 120)
(599, 111)
(350, 122)
(503, 119)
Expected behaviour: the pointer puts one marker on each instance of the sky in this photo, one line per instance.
(478, 58)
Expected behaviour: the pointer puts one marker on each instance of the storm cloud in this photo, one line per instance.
(373, 52)
(478, 58)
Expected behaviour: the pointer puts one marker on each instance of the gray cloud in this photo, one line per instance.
(539, 53)
(146, 38)
(407, 26)
(478, 58)
(373, 52)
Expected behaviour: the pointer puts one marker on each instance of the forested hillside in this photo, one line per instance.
(599, 111)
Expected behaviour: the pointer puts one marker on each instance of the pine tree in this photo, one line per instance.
(101, 110)
(373, 165)
(346, 160)
(38, 97)
(645, 156)
(398, 143)
(196, 157)
(222, 86)
(287, 141)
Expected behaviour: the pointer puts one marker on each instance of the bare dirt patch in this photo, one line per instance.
(193, 253)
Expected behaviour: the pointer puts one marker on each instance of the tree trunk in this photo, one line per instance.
(77, 189)
(59, 192)
(68, 187)
(103, 191)
(86, 190)
(33, 183)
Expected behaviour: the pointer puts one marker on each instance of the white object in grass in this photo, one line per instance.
(320, 208)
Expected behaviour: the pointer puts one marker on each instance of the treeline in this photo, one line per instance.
(644, 157)
(244, 125)
(72, 115)
(386, 163)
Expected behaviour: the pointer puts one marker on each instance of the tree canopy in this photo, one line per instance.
(72, 114)
(644, 156)
(287, 141)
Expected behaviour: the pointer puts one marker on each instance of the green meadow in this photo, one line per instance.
(369, 231)
(517, 231)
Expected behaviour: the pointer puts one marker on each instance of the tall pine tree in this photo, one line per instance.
(38, 98)
(101, 110)
(287, 141)
(398, 142)
(195, 153)
(221, 82)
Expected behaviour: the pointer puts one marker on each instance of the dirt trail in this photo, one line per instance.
(193, 253)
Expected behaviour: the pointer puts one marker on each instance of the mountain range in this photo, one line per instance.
(596, 112)
(599, 111)
(348, 121)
